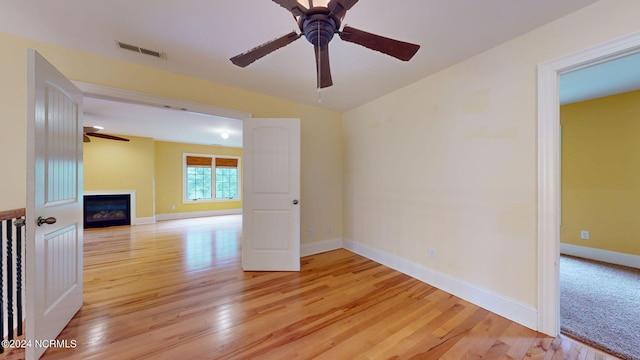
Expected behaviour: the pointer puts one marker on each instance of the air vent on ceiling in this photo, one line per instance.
(154, 53)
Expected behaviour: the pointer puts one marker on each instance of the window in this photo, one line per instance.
(226, 178)
(210, 178)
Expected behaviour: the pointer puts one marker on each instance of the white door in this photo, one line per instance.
(271, 195)
(54, 203)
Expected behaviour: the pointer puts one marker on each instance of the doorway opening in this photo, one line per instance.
(549, 174)
(598, 144)
(161, 131)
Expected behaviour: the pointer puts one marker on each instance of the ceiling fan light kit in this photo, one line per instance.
(319, 21)
(308, 4)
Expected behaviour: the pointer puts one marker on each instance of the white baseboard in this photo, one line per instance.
(509, 308)
(320, 247)
(196, 214)
(145, 220)
(611, 257)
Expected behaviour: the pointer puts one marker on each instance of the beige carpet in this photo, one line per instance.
(600, 305)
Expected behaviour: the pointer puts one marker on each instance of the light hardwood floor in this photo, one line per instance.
(176, 290)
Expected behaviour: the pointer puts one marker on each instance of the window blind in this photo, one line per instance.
(224, 162)
(199, 161)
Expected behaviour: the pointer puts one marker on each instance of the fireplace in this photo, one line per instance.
(107, 210)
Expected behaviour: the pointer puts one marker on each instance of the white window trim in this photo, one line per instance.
(213, 199)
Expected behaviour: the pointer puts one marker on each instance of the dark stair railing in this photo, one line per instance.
(12, 250)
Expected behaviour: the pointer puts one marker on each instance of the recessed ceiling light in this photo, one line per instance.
(224, 135)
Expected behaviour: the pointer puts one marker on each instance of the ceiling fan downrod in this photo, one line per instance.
(319, 67)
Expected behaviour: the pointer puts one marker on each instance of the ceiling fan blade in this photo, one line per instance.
(85, 138)
(107, 136)
(340, 7)
(322, 67)
(398, 49)
(260, 51)
(293, 6)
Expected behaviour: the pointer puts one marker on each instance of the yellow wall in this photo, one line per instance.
(169, 160)
(153, 169)
(601, 173)
(321, 139)
(450, 162)
(118, 165)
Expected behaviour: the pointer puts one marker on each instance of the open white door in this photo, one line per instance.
(271, 195)
(54, 203)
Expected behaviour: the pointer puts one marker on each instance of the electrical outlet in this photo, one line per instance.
(310, 232)
(584, 235)
(432, 253)
(173, 207)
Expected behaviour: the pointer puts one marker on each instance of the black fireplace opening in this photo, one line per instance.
(107, 210)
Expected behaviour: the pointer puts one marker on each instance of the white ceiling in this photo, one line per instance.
(609, 78)
(119, 118)
(200, 36)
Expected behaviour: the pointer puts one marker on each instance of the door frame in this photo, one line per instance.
(549, 179)
(133, 97)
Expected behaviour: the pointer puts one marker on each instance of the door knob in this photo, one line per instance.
(295, 202)
(50, 220)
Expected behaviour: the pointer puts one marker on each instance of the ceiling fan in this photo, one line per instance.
(93, 131)
(319, 21)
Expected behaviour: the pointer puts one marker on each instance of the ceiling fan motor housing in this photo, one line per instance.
(318, 26)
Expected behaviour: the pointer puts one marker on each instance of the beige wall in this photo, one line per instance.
(13, 127)
(450, 162)
(321, 139)
(600, 173)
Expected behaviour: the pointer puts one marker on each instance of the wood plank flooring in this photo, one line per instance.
(176, 290)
